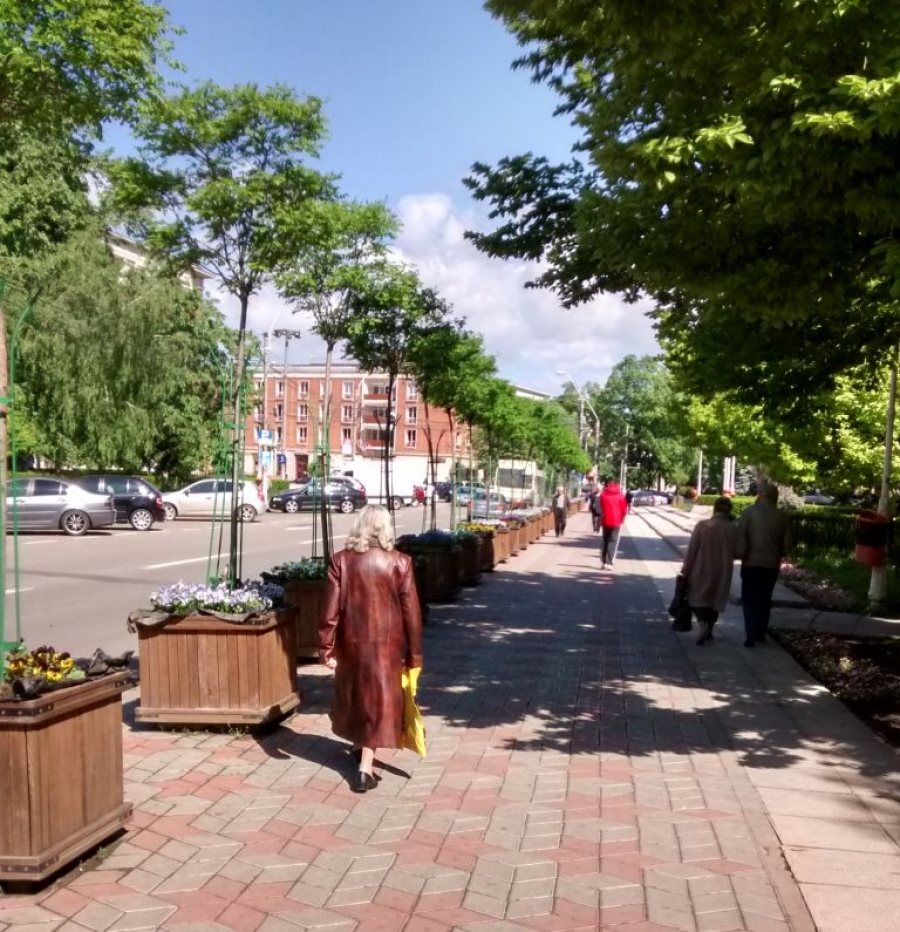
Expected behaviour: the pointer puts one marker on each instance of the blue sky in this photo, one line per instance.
(414, 92)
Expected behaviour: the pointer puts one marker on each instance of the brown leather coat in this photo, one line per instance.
(372, 626)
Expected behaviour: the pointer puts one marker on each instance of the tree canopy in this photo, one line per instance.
(737, 164)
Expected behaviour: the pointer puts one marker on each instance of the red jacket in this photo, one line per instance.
(614, 506)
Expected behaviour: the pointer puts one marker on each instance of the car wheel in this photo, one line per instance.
(141, 519)
(247, 514)
(291, 506)
(346, 506)
(75, 523)
(171, 511)
(396, 503)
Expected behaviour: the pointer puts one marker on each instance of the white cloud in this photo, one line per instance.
(527, 330)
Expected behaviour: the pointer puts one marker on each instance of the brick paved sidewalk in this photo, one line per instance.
(587, 769)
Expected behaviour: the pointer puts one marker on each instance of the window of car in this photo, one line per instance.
(49, 487)
(118, 485)
(205, 487)
(18, 487)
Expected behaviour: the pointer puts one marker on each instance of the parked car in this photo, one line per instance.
(465, 491)
(340, 495)
(817, 497)
(646, 497)
(212, 497)
(478, 505)
(49, 504)
(136, 501)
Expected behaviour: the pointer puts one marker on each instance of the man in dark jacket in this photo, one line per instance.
(614, 507)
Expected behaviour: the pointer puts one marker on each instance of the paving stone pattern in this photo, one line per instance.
(586, 770)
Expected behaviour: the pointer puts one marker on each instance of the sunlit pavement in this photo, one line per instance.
(588, 768)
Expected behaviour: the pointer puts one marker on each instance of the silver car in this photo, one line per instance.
(50, 504)
(212, 498)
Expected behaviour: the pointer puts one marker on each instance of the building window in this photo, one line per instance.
(410, 438)
(302, 434)
(412, 414)
(302, 412)
(346, 413)
(258, 414)
(347, 389)
(278, 437)
(412, 391)
(279, 389)
(279, 412)
(303, 388)
(346, 434)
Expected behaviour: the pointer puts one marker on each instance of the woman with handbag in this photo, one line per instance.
(708, 566)
(371, 630)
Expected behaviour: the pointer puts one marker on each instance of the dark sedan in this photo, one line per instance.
(308, 497)
(137, 502)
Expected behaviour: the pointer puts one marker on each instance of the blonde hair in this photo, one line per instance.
(373, 525)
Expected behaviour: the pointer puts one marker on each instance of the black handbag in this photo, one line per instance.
(678, 607)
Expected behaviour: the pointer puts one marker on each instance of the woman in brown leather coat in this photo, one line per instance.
(371, 629)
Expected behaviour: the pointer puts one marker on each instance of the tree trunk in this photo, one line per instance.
(235, 526)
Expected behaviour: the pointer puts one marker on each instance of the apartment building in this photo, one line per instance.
(286, 430)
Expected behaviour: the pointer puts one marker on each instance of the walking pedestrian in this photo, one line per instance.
(763, 540)
(614, 507)
(708, 566)
(560, 506)
(371, 630)
(596, 508)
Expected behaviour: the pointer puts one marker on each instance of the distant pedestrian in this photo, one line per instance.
(596, 508)
(614, 506)
(560, 506)
(708, 566)
(763, 541)
(629, 498)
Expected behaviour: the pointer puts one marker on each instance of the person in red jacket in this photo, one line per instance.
(614, 506)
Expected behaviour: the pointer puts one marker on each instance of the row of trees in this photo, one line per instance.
(126, 368)
(737, 166)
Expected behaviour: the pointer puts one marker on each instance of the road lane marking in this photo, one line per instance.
(159, 566)
(13, 591)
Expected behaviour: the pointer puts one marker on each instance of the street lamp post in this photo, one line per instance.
(288, 336)
(585, 401)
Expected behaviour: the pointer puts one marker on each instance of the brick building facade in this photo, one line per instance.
(291, 410)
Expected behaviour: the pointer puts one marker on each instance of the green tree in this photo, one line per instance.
(77, 63)
(736, 164)
(388, 317)
(117, 367)
(216, 167)
(322, 273)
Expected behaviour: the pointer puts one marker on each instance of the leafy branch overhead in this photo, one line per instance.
(737, 165)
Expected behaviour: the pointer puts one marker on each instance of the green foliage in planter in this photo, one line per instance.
(278, 485)
(306, 568)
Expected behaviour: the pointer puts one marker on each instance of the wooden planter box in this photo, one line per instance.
(61, 784)
(486, 554)
(203, 671)
(469, 563)
(439, 577)
(515, 541)
(548, 523)
(500, 546)
(305, 599)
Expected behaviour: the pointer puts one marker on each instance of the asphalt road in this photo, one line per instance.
(76, 593)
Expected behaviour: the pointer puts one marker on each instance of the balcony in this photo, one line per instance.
(375, 398)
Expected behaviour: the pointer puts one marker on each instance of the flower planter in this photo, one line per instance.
(501, 545)
(469, 563)
(200, 670)
(61, 783)
(515, 539)
(305, 599)
(486, 555)
(439, 577)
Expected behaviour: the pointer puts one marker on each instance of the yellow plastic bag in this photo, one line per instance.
(413, 734)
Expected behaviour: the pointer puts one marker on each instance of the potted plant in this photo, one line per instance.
(468, 559)
(438, 549)
(214, 655)
(61, 780)
(304, 582)
(485, 533)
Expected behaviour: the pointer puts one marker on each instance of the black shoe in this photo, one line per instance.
(356, 754)
(749, 642)
(363, 782)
